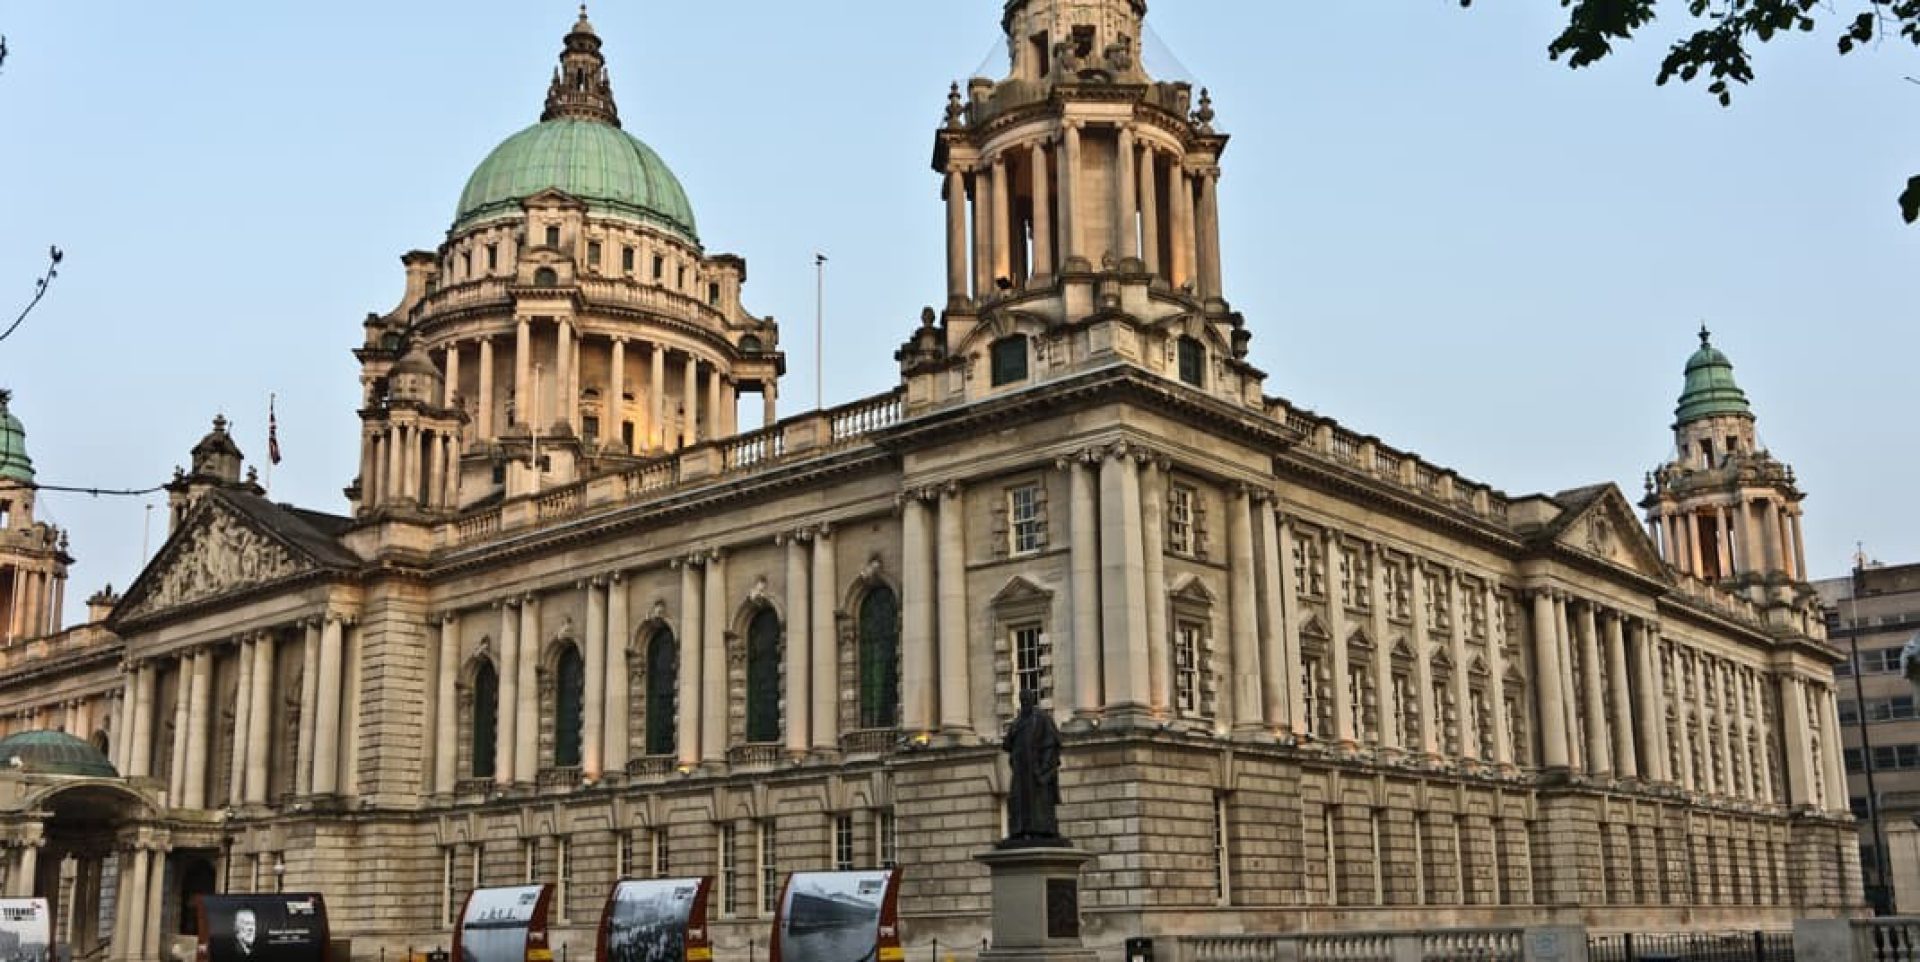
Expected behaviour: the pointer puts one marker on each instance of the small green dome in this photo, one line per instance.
(53, 753)
(608, 169)
(1710, 390)
(14, 463)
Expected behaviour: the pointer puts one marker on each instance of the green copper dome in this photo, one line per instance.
(53, 753)
(608, 169)
(1710, 390)
(14, 463)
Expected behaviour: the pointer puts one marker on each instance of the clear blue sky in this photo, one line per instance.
(1436, 235)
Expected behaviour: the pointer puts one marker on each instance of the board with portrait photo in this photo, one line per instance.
(278, 927)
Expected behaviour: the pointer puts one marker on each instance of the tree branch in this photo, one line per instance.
(39, 290)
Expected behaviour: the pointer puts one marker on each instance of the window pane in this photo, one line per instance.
(1009, 360)
(763, 677)
(571, 682)
(486, 706)
(879, 659)
(663, 676)
(1193, 362)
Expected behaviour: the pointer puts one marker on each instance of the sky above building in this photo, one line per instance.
(1436, 235)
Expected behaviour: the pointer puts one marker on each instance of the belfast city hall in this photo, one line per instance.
(572, 624)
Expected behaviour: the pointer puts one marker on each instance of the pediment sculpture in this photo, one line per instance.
(219, 555)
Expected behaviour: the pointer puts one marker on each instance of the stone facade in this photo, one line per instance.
(1307, 680)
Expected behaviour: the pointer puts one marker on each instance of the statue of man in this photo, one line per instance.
(1032, 745)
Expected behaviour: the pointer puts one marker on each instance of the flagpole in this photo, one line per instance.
(267, 482)
(819, 330)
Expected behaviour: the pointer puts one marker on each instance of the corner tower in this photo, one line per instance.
(1724, 509)
(33, 554)
(570, 325)
(1080, 192)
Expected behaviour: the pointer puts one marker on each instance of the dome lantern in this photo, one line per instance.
(1710, 390)
(14, 463)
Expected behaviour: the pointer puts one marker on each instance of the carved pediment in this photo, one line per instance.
(1606, 528)
(219, 552)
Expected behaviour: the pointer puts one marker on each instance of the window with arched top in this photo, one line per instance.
(569, 710)
(750, 344)
(663, 674)
(880, 658)
(546, 277)
(1008, 357)
(486, 719)
(763, 677)
(1193, 362)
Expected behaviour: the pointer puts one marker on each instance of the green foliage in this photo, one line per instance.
(1718, 46)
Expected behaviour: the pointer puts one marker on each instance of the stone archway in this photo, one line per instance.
(80, 856)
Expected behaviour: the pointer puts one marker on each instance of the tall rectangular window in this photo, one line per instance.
(446, 886)
(562, 874)
(626, 261)
(1186, 667)
(662, 860)
(553, 236)
(884, 837)
(1031, 661)
(593, 255)
(1193, 362)
(769, 881)
(1180, 538)
(1222, 853)
(529, 854)
(623, 855)
(843, 843)
(659, 267)
(1026, 519)
(493, 258)
(729, 872)
(1007, 359)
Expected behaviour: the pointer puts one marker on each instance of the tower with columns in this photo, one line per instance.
(33, 554)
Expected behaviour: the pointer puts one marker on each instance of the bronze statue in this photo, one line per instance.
(1032, 745)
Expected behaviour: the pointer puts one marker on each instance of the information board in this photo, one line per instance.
(279, 927)
(504, 925)
(838, 917)
(656, 920)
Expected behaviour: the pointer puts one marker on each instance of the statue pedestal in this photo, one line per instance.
(1036, 904)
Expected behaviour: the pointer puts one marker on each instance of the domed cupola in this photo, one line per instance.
(54, 753)
(1710, 390)
(14, 463)
(578, 149)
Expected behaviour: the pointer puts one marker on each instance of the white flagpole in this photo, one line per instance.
(819, 331)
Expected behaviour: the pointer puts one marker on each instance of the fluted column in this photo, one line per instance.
(917, 616)
(1123, 582)
(1546, 659)
(656, 433)
(242, 724)
(617, 729)
(526, 704)
(199, 727)
(1649, 705)
(1153, 501)
(1343, 727)
(446, 720)
(1042, 213)
(826, 663)
(1249, 704)
(326, 718)
(485, 403)
(309, 706)
(799, 650)
(259, 716)
(1073, 240)
(713, 674)
(1084, 583)
(690, 402)
(1625, 758)
(1126, 225)
(593, 735)
(956, 701)
(956, 196)
(1272, 564)
(692, 593)
(1593, 681)
(505, 715)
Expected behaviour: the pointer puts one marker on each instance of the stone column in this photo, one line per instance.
(523, 412)
(1153, 530)
(1084, 582)
(326, 716)
(1208, 232)
(956, 702)
(452, 357)
(122, 719)
(484, 416)
(1123, 586)
(690, 402)
(1385, 701)
(713, 673)
(1649, 704)
(144, 707)
(1730, 784)
(1626, 760)
(1593, 683)
(393, 483)
(1343, 727)
(1183, 228)
(1799, 545)
(982, 231)
(826, 662)
(132, 899)
(1753, 541)
(1271, 563)
(1422, 642)
(1793, 714)
(309, 706)
(1830, 739)
(1765, 739)
(1072, 240)
(1001, 242)
(259, 716)
(692, 591)
(714, 420)
(1288, 653)
(956, 196)
(1546, 659)
(593, 734)
(1692, 529)
(155, 889)
(618, 727)
(799, 647)
(1497, 667)
(1746, 735)
(656, 433)
(1150, 210)
(199, 727)
(1457, 653)
(566, 402)
(1126, 227)
(505, 714)
(615, 413)
(917, 616)
(1043, 265)
(27, 870)
(446, 720)
(242, 724)
(526, 703)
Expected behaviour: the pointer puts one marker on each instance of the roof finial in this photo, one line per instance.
(1706, 336)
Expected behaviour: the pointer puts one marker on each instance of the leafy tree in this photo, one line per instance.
(1719, 44)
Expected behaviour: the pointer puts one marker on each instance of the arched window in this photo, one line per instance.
(1009, 359)
(880, 659)
(570, 694)
(750, 345)
(663, 689)
(546, 277)
(763, 677)
(486, 718)
(1193, 362)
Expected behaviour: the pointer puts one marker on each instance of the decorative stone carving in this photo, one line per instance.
(221, 555)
